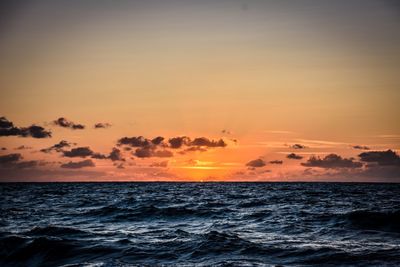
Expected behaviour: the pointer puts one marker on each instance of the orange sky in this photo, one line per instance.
(267, 74)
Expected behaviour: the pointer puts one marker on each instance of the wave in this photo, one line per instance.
(154, 224)
(16, 250)
(209, 248)
(215, 242)
(373, 220)
(53, 230)
(151, 211)
(253, 203)
(327, 257)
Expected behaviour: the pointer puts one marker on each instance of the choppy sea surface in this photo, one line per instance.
(199, 224)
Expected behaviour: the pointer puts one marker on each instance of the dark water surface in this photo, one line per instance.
(185, 224)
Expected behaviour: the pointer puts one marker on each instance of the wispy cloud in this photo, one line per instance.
(389, 136)
(65, 123)
(321, 143)
(278, 132)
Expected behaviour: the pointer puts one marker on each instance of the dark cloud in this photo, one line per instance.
(193, 149)
(226, 132)
(101, 125)
(149, 146)
(5, 159)
(65, 123)
(116, 155)
(7, 128)
(298, 146)
(57, 147)
(276, 162)
(257, 163)
(13, 131)
(36, 132)
(368, 173)
(361, 147)
(99, 156)
(143, 152)
(294, 156)
(148, 152)
(62, 144)
(27, 164)
(78, 165)
(138, 141)
(5, 124)
(81, 152)
(158, 140)
(13, 161)
(383, 158)
(178, 142)
(390, 173)
(332, 161)
(205, 142)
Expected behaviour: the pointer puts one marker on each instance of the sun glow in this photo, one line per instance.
(197, 170)
(203, 167)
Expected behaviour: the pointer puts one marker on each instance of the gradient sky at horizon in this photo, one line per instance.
(324, 74)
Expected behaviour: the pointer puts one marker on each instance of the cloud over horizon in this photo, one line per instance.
(78, 164)
(81, 152)
(14, 161)
(65, 123)
(149, 152)
(294, 156)
(383, 158)
(57, 147)
(102, 125)
(332, 161)
(156, 147)
(138, 152)
(7, 128)
(257, 163)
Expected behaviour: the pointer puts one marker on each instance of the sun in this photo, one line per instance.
(201, 171)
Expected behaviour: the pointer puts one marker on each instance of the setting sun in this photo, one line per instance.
(199, 133)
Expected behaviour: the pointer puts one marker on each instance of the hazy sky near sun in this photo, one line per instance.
(269, 73)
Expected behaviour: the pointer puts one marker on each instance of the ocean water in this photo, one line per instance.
(199, 224)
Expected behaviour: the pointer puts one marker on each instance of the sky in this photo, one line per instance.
(301, 90)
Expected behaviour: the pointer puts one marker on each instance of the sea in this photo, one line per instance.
(199, 224)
